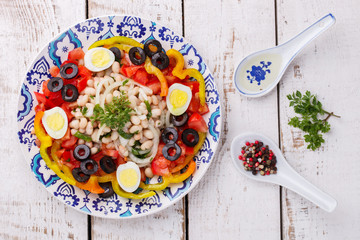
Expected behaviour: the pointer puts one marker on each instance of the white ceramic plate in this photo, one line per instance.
(83, 35)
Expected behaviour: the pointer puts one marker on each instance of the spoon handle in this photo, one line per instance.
(293, 181)
(297, 43)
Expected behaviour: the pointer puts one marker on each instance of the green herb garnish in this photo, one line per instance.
(105, 135)
(309, 108)
(83, 136)
(125, 134)
(115, 114)
(148, 108)
(92, 96)
(68, 160)
(125, 82)
(84, 110)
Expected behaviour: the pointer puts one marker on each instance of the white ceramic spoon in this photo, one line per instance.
(285, 176)
(260, 72)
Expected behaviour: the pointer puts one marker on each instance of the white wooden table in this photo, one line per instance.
(224, 205)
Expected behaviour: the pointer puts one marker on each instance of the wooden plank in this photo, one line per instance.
(168, 224)
(28, 211)
(325, 67)
(226, 205)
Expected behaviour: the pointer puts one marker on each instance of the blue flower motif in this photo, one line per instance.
(110, 24)
(65, 49)
(152, 28)
(258, 73)
(190, 62)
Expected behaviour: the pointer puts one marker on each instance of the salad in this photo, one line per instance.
(115, 116)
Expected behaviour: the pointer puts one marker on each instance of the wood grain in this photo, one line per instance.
(170, 223)
(226, 205)
(325, 67)
(28, 210)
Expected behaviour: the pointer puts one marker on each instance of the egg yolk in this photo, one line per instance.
(55, 121)
(100, 58)
(128, 177)
(178, 98)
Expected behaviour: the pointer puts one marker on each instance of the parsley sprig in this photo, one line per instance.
(309, 108)
(115, 114)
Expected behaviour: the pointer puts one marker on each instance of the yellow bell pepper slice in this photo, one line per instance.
(181, 73)
(46, 142)
(157, 186)
(107, 178)
(116, 40)
(124, 194)
(151, 69)
(123, 47)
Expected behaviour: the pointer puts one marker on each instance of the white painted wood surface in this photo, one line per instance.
(224, 205)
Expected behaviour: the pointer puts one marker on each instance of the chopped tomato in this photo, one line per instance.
(54, 71)
(83, 76)
(197, 122)
(42, 99)
(160, 166)
(172, 79)
(67, 110)
(155, 86)
(66, 155)
(97, 156)
(69, 61)
(203, 109)
(124, 61)
(194, 103)
(109, 152)
(189, 150)
(178, 161)
(76, 54)
(60, 152)
(120, 160)
(40, 107)
(67, 135)
(141, 76)
(69, 144)
(193, 85)
(129, 71)
(143, 176)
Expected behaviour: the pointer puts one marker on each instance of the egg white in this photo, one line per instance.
(180, 110)
(55, 134)
(88, 57)
(125, 166)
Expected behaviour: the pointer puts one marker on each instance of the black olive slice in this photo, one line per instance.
(108, 190)
(116, 52)
(137, 55)
(81, 152)
(64, 69)
(55, 84)
(170, 147)
(89, 166)
(179, 121)
(190, 137)
(69, 93)
(107, 164)
(169, 135)
(154, 43)
(79, 175)
(160, 60)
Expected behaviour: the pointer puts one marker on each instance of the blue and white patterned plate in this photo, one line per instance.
(83, 35)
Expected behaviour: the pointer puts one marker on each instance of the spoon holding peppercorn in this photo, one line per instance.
(252, 149)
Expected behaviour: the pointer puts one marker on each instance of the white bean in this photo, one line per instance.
(115, 67)
(116, 93)
(110, 145)
(90, 91)
(83, 122)
(162, 105)
(131, 142)
(106, 140)
(95, 124)
(156, 112)
(138, 136)
(94, 150)
(149, 134)
(82, 100)
(81, 141)
(90, 83)
(100, 74)
(148, 172)
(135, 120)
(124, 88)
(106, 130)
(78, 115)
(89, 128)
(155, 100)
(89, 144)
(145, 123)
(123, 151)
(143, 139)
(82, 130)
(94, 135)
(118, 78)
(135, 129)
(74, 124)
(134, 101)
(90, 109)
(128, 124)
(73, 131)
(147, 145)
(114, 135)
(109, 98)
(108, 72)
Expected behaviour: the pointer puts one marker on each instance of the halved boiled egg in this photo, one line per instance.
(55, 122)
(98, 59)
(178, 99)
(128, 176)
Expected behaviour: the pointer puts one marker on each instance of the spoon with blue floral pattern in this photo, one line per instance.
(258, 73)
